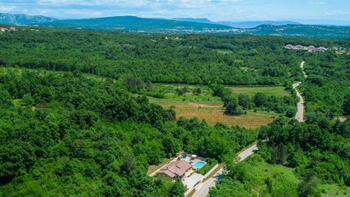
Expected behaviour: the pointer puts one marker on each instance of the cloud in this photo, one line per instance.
(212, 9)
(337, 13)
(6, 8)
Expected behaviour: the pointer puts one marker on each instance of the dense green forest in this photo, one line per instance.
(327, 89)
(196, 59)
(315, 154)
(67, 134)
(73, 123)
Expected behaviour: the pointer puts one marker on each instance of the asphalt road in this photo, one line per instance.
(202, 190)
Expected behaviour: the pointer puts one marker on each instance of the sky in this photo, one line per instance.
(308, 11)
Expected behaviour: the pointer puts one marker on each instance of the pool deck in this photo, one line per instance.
(192, 180)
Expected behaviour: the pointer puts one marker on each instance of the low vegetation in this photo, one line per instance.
(255, 177)
(267, 90)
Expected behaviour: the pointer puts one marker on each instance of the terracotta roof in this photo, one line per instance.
(176, 168)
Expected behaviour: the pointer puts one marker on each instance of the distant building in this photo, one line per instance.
(310, 48)
(299, 47)
(288, 46)
(178, 168)
(322, 49)
(4, 29)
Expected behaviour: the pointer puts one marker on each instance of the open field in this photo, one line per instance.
(333, 190)
(169, 92)
(209, 108)
(213, 113)
(268, 90)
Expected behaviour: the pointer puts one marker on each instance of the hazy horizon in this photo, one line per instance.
(309, 11)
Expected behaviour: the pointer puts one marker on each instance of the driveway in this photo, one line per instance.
(202, 189)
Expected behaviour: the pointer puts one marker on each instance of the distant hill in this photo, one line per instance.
(182, 25)
(252, 24)
(197, 20)
(23, 19)
(238, 24)
(319, 31)
(132, 23)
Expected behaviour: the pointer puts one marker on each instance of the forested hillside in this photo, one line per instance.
(68, 134)
(133, 23)
(76, 117)
(312, 157)
(202, 59)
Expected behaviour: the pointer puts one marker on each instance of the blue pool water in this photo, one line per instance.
(198, 164)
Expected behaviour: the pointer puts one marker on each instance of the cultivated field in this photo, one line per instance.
(209, 108)
(212, 114)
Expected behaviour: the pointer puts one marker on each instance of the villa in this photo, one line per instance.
(184, 166)
(178, 168)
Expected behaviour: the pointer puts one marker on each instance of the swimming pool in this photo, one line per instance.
(198, 165)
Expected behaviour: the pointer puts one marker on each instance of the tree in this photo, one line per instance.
(232, 107)
(181, 91)
(149, 86)
(134, 84)
(244, 101)
(27, 100)
(260, 99)
(290, 112)
(197, 91)
(309, 187)
(171, 146)
(5, 98)
(178, 189)
(346, 105)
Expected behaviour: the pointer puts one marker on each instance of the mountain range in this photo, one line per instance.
(23, 19)
(239, 24)
(133, 23)
(181, 25)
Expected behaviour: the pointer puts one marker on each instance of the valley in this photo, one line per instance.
(98, 113)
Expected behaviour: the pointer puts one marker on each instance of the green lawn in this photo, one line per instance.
(169, 91)
(251, 91)
(328, 190)
(255, 174)
(254, 177)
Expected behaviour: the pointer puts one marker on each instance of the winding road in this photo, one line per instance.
(299, 116)
(202, 189)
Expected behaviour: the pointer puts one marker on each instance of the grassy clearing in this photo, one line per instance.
(268, 90)
(332, 190)
(213, 113)
(169, 91)
(153, 168)
(284, 181)
(209, 108)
